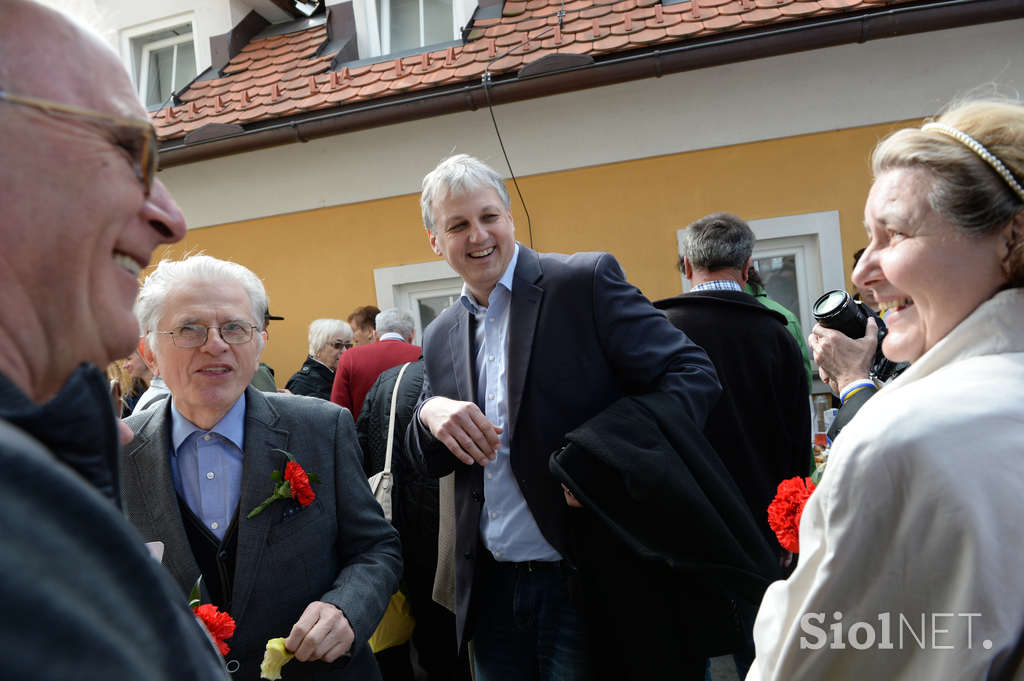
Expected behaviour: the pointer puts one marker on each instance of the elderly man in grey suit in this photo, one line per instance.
(537, 345)
(318, 572)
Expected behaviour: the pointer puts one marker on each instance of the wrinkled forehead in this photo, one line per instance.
(207, 303)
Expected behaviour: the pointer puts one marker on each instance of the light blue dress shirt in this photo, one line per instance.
(507, 527)
(207, 465)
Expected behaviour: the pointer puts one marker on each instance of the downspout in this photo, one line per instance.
(830, 32)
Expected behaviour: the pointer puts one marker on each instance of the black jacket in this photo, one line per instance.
(313, 379)
(665, 546)
(414, 497)
(761, 425)
(82, 597)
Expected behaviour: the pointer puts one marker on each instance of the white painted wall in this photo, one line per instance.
(835, 88)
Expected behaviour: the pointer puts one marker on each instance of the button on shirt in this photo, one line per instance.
(507, 527)
(207, 465)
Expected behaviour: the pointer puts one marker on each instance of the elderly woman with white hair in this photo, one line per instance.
(328, 339)
(910, 548)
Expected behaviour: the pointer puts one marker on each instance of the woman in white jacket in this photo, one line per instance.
(912, 547)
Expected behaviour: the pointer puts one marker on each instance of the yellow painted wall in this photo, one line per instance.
(320, 263)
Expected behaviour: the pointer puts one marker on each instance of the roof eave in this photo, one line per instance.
(731, 47)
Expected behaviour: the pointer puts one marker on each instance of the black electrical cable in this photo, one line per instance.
(486, 79)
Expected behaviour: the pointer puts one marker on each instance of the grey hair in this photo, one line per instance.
(717, 242)
(397, 321)
(322, 331)
(456, 176)
(197, 269)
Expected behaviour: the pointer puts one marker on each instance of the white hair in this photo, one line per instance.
(197, 269)
(397, 321)
(456, 176)
(322, 331)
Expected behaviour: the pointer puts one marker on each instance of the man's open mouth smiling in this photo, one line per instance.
(482, 254)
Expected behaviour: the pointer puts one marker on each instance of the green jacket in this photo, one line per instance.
(792, 323)
(264, 379)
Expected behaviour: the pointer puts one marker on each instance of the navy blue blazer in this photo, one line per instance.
(580, 338)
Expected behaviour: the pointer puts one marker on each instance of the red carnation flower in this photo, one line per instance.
(219, 624)
(785, 511)
(299, 481)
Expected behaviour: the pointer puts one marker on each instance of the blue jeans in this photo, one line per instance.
(526, 627)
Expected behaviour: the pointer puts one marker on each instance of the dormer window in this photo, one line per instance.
(409, 24)
(161, 57)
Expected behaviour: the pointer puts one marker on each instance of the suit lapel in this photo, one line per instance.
(258, 463)
(523, 314)
(147, 461)
(462, 353)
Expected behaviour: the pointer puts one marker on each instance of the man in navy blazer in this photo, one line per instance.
(318, 571)
(537, 344)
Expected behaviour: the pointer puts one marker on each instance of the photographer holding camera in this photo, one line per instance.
(847, 347)
(845, 364)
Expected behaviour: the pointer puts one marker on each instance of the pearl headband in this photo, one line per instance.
(976, 146)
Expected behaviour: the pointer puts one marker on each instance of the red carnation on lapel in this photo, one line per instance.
(785, 511)
(219, 624)
(294, 483)
(299, 481)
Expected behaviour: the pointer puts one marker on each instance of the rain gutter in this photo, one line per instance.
(853, 28)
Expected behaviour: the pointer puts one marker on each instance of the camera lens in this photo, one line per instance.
(837, 310)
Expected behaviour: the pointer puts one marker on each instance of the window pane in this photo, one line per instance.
(160, 66)
(779, 276)
(430, 308)
(405, 25)
(186, 70)
(437, 15)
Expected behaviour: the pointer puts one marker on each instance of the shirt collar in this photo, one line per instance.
(231, 427)
(717, 285)
(469, 302)
(391, 335)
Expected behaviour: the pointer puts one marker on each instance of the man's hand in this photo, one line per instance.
(124, 433)
(842, 360)
(322, 633)
(570, 499)
(463, 429)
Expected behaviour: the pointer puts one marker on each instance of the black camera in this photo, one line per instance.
(838, 310)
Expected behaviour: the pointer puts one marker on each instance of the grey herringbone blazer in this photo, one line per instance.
(339, 549)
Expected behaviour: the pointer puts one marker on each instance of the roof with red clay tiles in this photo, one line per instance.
(282, 75)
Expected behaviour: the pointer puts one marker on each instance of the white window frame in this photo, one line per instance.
(148, 48)
(128, 35)
(404, 285)
(378, 28)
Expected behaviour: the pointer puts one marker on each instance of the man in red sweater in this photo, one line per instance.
(360, 366)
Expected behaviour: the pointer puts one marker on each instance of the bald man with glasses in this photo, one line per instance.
(80, 214)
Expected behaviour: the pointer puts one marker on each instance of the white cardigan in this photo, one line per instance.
(920, 511)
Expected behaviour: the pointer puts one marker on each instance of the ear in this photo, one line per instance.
(746, 269)
(373, 332)
(687, 268)
(148, 357)
(432, 238)
(412, 334)
(1011, 247)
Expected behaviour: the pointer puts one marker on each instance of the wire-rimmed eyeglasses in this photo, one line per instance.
(136, 136)
(195, 335)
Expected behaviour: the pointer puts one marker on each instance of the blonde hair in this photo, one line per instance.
(965, 189)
